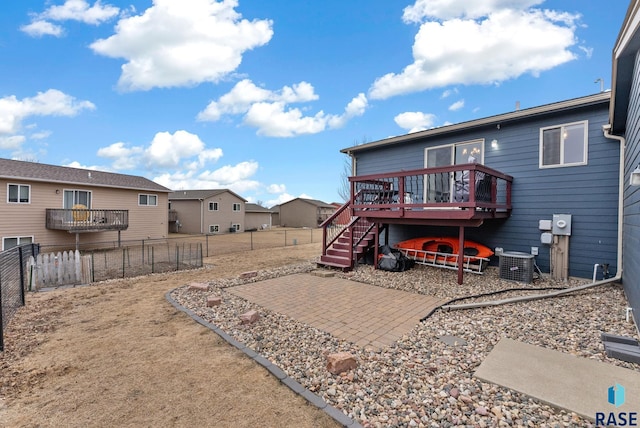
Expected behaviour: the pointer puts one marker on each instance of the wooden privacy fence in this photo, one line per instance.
(56, 269)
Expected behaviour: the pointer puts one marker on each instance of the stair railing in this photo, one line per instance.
(335, 225)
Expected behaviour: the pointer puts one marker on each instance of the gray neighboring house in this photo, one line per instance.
(624, 123)
(257, 217)
(558, 158)
(301, 212)
(206, 211)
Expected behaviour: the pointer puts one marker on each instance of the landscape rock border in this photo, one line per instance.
(276, 371)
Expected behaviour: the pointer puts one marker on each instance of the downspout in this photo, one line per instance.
(201, 216)
(606, 130)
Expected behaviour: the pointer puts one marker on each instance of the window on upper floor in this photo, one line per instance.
(149, 200)
(19, 193)
(564, 145)
(14, 241)
(213, 206)
(236, 207)
(77, 199)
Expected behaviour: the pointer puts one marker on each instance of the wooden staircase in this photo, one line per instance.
(346, 239)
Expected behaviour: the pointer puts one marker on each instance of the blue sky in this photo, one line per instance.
(260, 96)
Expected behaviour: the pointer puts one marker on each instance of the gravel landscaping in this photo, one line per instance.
(420, 380)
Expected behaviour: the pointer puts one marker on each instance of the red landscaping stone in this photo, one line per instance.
(198, 286)
(249, 274)
(341, 362)
(214, 301)
(249, 317)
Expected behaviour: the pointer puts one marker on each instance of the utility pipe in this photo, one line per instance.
(606, 131)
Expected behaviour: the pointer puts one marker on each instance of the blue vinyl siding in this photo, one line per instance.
(588, 192)
(631, 234)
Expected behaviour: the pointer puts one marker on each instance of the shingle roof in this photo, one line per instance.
(312, 202)
(33, 171)
(255, 208)
(199, 194)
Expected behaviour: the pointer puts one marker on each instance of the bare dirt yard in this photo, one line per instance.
(118, 354)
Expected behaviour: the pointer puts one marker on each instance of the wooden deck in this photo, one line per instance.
(85, 220)
(459, 195)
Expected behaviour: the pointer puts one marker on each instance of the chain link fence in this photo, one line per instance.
(13, 282)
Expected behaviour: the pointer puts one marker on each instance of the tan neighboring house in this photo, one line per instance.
(301, 212)
(257, 217)
(62, 206)
(206, 211)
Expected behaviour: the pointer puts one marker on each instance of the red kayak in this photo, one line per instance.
(437, 248)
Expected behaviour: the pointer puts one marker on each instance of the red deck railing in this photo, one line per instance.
(457, 192)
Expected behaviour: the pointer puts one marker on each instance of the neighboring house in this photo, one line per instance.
(624, 121)
(301, 212)
(207, 211)
(525, 166)
(275, 216)
(257, 217)
(62, 206)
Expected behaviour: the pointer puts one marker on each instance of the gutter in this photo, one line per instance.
(606, 131)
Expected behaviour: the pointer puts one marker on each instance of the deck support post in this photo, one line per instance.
(460, 254)
(376, 248)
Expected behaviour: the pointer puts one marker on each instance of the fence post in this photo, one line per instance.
(1, 313)
(207, 243)
(285, 237)
(143, 252)
(123, 259)
(177, 257)
(311, 230)
(22, 300)
(251, 235)
(201, 262)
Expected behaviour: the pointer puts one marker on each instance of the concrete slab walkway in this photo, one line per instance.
(363, 314)
(578, 384)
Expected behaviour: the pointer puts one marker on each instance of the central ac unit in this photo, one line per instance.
(516, 266)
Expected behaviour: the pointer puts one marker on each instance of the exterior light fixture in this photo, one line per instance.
(635, 177)
(494, 144)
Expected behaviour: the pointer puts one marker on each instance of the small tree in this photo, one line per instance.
(344, 191)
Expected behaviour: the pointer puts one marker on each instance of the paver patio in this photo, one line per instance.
(364, 314)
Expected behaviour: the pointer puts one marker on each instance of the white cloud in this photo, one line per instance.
(276, 188)
(488, 42)
(41, 28)
(12, 142)
(229, 174)
(415, 121)
(234, 177)
(122, 157)
(79, 10)
(449, 9)
(70, 10)
(182, 43)
(270, 113)
(168, 150)
(182, 150)
(14, 111)
(448, 93)
(245, 93)
(457, 105)
(76, 164)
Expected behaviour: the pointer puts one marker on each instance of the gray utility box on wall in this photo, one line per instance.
(516, 266)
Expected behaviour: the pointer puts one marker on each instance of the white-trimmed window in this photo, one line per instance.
(564, 145)
(237, 207)
(73, 198)
(14, 241)
(236, 227)
(214, 228)
(18, 193)
(149, 200)
(213, 206)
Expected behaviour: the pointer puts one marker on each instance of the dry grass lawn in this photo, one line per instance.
(118, 354)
